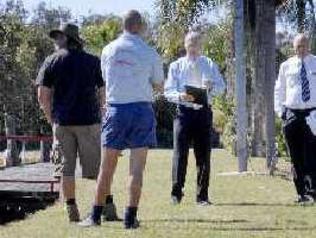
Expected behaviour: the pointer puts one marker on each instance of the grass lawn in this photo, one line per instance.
(244, 206)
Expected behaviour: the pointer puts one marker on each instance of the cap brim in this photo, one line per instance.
(53, 34)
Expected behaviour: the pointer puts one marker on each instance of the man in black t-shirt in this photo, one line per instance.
(70, 90)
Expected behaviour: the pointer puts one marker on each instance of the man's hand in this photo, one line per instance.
(158, 87)
(103, 110)
(102, 100)
(208, 85)
(45, 101)
(186, 97)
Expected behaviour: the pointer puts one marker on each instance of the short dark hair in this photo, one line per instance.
(132, 18)
(73, 44)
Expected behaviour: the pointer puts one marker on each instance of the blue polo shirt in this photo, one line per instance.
(130, 67)
(74, 76)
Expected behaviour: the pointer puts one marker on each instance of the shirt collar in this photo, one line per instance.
(190, 60)
(131, 36)
(306, 59)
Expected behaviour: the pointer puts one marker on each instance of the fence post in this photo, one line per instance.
(45, 149)
(12, 152)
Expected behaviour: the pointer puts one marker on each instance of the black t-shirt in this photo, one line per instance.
(74, 76)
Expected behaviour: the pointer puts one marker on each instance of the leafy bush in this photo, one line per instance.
(165, 112)
(224, 121)
(98, 35)
(280, 140)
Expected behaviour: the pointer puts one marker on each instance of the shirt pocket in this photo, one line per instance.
(312, 73)
(292, 78)
(312, 80)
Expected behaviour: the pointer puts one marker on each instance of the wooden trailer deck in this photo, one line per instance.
(27, 187)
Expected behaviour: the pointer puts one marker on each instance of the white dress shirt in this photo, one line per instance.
(288, 88)
(198, 73)
(130, 67)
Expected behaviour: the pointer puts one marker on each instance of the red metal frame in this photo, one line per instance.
(27, 138)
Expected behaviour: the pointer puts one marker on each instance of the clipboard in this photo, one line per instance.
(199, 94)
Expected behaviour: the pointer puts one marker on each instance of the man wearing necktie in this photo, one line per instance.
(194, 119)
(295, 99)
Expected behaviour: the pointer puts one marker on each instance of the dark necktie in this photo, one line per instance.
(306, 93)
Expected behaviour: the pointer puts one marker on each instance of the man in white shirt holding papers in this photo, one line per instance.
(295, 101)
(194, 117)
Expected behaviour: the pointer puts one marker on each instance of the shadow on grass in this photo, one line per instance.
(15, 213)
(284, 175)
(253, 204)
(228, 222)
(177, 220)
(258, 229)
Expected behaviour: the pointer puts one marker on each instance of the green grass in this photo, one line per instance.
(245, 206)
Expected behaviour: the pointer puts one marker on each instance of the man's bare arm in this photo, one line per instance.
(158, 87)
(102, 99)
(44, 96)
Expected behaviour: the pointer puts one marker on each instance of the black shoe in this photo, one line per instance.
(306, 200)
(134, 224)
(204, 203)
(109, 213)
(73, 213)
(175, 200)
(89, 222)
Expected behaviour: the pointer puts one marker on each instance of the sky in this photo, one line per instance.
(83, 7)
(118, 7)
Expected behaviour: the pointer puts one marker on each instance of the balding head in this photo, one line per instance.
(193, 43)
(133, 22)
(301, 45)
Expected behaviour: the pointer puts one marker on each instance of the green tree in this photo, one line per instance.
(99, 34)
(50, 18)
(24, 45)
(175, 18)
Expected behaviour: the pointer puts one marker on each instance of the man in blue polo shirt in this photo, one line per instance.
(131, 69)
(70, 88)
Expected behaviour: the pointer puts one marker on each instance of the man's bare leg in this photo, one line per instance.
(103, 188)
(105, 178)
(69, 195)
(106, 173)
(68, 186)
(135, 183)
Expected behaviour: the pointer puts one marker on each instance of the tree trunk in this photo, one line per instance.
(12, 152)
(242, 147)
(255, 80)
(258, 83)
(300, 6)
(270, 73)
(312, 33)
(250, 30)
(264, 118)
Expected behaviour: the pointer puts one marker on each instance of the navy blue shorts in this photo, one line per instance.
(129, 126)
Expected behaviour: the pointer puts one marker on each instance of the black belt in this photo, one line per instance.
(300, 112)
(184, 107)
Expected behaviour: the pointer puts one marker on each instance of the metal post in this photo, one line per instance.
(242, 147)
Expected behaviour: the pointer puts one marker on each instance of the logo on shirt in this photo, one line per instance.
(124, 63)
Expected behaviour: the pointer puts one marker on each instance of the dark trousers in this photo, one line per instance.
(192, 126)
(302, 148)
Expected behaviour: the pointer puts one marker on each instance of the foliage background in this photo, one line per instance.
(24, 44)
